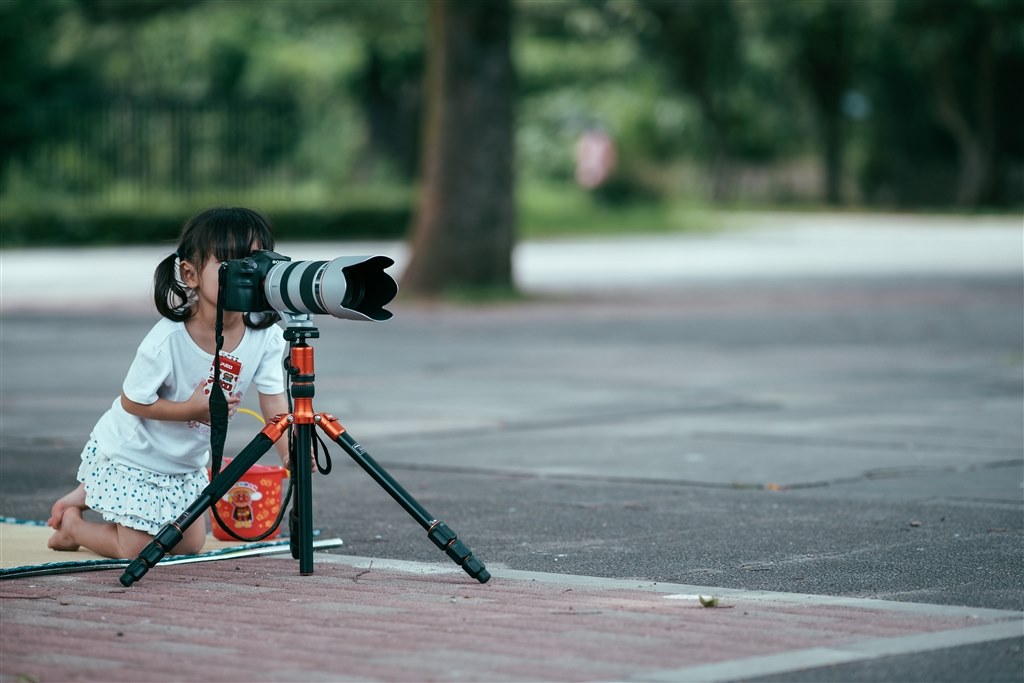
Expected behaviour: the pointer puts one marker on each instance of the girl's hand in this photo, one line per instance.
(197, 407)
(234, 401)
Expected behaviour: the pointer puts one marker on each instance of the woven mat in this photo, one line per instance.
(23, 551)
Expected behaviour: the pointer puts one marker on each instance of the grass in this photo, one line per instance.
(548, 211)
(126, 214)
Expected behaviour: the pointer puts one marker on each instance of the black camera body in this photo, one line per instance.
(242, 281)
(350, 287)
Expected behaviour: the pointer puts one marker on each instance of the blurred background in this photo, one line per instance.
(121, 118)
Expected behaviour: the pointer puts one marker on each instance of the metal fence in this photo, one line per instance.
(139, 146)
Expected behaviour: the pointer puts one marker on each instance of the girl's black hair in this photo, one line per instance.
(224, 234)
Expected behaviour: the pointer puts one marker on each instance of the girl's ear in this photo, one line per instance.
(189, 276)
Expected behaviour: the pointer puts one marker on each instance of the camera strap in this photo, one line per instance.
(218, 402)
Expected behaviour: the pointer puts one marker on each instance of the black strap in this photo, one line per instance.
(218, 402)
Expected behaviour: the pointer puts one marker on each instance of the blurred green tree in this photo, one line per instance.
(388, 83)
(822, 44)
(33, 83)
(958, 50)
(109, 102)
(698, 44)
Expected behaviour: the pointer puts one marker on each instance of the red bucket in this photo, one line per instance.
(251, 506)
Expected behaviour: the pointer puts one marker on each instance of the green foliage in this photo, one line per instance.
(900, 102)
(36, 77)
(951, 71)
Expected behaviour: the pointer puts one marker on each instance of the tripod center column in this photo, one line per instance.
(302, 383)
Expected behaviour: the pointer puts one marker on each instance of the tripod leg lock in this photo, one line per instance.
(166, 538)
(448, 541)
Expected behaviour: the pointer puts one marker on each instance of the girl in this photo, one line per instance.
(145, 461)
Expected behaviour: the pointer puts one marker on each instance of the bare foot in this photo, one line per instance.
(74, 499)
(62, 538)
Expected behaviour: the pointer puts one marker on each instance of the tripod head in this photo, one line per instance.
(299, 327)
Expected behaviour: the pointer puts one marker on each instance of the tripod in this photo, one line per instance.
(304, 421)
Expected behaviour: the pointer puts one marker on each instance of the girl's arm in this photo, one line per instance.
(272, 405)
(197, 407)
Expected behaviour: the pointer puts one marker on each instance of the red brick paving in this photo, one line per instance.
(258, 620)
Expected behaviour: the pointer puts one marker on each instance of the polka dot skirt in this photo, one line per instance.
(134, 497)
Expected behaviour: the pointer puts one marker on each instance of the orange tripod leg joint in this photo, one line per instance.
(330, 425)
(276, 427)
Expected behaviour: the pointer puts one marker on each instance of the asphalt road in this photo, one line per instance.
(843, 419)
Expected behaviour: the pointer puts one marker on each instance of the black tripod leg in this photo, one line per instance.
(437, 531)
(301, 521)
(171, 533)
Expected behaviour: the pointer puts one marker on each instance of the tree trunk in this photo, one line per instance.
(974, 136)
(464, 230)
(832, 154)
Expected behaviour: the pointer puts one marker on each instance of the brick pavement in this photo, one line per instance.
(370, 620)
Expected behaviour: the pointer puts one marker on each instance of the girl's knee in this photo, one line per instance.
(186, 547)
(192, 541)
(131, 542)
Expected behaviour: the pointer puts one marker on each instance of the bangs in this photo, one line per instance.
(228, 234)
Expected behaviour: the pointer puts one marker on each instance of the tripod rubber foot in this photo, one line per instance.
(146, 560)
(446, 539)
(476, 569)
(135, 571)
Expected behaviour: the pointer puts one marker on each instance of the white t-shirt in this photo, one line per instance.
(170, 365)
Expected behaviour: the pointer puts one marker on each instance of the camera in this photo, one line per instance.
(350, 287)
